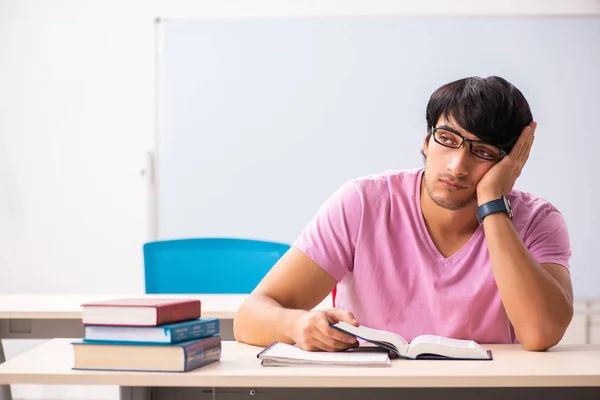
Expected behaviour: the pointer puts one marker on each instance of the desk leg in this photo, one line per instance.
(134, 393)
(4, 389)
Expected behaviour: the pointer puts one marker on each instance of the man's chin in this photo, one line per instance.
(451, 203)
(449, 200)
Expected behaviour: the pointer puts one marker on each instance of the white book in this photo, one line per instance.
(421, 347)
(282, 354)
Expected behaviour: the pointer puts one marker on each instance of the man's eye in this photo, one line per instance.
(446, 139)
(486, 153)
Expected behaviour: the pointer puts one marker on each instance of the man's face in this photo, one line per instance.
(452, 175)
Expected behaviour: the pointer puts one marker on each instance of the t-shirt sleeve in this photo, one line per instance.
(330, 238)
(548, 240)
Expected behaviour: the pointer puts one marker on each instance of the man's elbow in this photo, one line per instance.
(543, 334)
(542, 339)
(539, 344)
(240, 329)
(237, 330)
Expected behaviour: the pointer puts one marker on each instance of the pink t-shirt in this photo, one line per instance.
(371, 237)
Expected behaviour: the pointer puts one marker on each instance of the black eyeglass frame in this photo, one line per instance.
(501, 154)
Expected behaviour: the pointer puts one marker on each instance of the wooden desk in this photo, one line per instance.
(512, 367)
(48, 316)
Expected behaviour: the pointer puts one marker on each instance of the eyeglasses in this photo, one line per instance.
(454, 140)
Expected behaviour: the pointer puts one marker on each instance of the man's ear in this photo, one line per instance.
(426, 144)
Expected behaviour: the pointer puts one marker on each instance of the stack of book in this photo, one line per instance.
(147, 334)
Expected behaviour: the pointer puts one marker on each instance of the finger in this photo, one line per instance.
(327, 331)
(521, 147)
(332, 343)
(335, 334)
(316, 339)
(317, 345)
(336, 315)
(529, 146)
(523, 144)
(531, 136)
(533, 126)
(528, 131)
(516, 150)
(529, 143)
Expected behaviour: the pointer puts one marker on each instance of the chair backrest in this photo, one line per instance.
(208, 265)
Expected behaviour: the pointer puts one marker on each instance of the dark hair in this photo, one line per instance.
(490, 108)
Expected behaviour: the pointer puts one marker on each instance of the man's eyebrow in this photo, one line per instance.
(454, 130)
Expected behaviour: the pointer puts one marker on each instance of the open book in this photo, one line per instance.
(422, 347)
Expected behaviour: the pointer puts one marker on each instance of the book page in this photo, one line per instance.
(289, 354)
(444, 341)
(439, 345)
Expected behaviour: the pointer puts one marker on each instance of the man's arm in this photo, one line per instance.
(278, 309)
(538, 298)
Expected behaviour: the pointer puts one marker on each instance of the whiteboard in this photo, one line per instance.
(261, 120)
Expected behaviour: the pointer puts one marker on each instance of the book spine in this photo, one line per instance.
(203, 358)
(196, 331)
(177, 312)
(202, 353)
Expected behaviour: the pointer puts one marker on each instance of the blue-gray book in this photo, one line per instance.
(170, 333)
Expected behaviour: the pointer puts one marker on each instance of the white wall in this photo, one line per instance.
(76, 110)
(76, 116)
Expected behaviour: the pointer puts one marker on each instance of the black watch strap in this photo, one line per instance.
(500, 205)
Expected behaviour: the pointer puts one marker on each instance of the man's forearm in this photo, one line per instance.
(537, 306)
(261, 321)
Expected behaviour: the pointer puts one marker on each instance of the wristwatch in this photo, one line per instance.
(500, 205)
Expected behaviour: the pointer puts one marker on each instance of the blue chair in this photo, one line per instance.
(208, 265)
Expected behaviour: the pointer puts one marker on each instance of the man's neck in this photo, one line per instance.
(449, 223)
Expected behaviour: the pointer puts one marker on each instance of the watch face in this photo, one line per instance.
(508, 207)
(507, 203)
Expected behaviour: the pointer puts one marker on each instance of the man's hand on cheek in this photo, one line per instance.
(500, 179)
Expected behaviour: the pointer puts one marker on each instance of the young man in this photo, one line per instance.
(451, 249)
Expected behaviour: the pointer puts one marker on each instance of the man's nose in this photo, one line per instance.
(458, 163)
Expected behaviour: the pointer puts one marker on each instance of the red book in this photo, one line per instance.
(140, 311)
